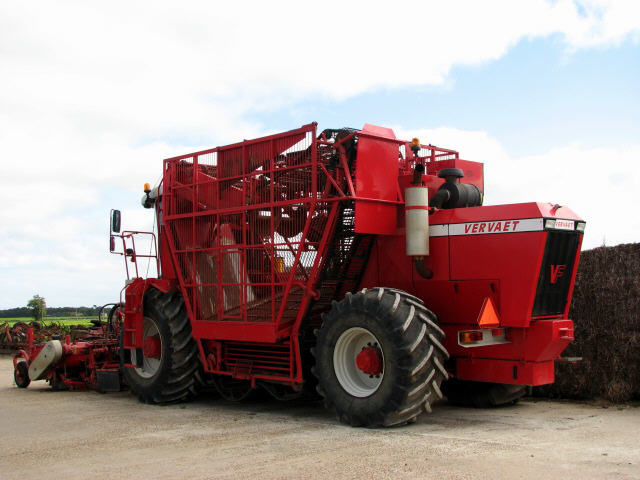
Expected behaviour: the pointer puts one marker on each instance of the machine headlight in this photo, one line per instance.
(580, 226)
(550, 223)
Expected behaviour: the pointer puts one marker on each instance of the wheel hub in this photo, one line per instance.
(369, 360)
(151, 347)
(151, 350)
(358, 362)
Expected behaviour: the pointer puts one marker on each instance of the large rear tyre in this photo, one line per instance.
(464, 393)
(170, 363)
(379, 358)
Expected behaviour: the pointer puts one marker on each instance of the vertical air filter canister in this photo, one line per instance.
(416, 201)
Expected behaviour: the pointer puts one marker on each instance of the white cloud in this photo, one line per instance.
(122, 66)
(604, 22)
(88, 88)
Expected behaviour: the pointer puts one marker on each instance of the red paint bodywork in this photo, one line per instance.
(250, 290)
(369, 361)
(377, 163)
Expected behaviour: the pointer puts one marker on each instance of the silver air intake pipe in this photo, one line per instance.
(416, 216)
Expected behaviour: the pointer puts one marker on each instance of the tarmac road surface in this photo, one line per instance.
(51, 435)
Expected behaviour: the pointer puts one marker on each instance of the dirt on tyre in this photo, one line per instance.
(170, 369)
(379, 358)
(465, 393)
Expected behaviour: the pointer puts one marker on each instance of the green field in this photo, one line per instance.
(49, 320)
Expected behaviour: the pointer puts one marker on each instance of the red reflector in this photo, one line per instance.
(471, 337)
(497, 332)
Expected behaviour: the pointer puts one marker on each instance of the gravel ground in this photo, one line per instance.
(49, 435)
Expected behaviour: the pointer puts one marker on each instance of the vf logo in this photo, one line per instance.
(557, 271)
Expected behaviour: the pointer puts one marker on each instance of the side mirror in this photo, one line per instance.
(115, 221)
(112, 243)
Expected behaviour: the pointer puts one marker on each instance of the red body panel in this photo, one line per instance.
(467, 269)
(376, 171)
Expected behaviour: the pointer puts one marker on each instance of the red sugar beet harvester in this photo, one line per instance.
(349, 263)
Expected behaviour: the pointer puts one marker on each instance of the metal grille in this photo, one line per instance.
(249, 224)
(556, 273)
(245, 359)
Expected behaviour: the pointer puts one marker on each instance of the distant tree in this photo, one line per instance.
(38, 307)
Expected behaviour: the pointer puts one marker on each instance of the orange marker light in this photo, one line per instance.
(415, 142)
(471, 337)
(147, 188)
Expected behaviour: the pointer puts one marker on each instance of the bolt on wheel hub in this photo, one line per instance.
(151, 347)
(369, 360)
(358, 362)
(151, 350)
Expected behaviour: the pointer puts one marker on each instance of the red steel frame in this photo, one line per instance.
(273, 327)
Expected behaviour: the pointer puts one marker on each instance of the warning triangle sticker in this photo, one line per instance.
(488, 316)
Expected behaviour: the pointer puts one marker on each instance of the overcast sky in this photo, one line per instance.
(93, 95)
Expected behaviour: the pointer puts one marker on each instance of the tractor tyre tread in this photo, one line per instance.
(177, 377)
(413, 354)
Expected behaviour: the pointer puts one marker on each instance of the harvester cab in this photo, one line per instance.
(348, 263)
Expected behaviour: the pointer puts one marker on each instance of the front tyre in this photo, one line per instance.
(170, 363)
(21, 375)
(379, 358)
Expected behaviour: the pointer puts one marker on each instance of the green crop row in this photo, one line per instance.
(49, 320)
